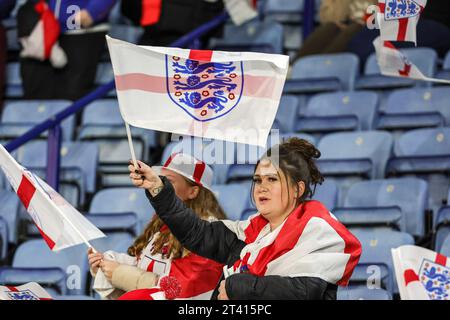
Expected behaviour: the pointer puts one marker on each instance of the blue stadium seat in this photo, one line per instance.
(12, 39)
(52, 279)
(126, 33)
(123, 200)
(393, 202)
(424, 58)
(118, 242)
(102, 124)
(79, 162)
(9, 212)
(340, 111)
(376, 249)
(327, 193)
(284, 11)
(255, 35)
(416, 108)
(3, 238)
(445, 248)
(327, 72)
(424, 153)
(233, 198)
(14, 124)
(35, 254)
(445, 72)
(286, 114)
(115, 222)
(105, 74)
(442, 226)
(13, 81)
(362, 293)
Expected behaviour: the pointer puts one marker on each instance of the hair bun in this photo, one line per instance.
(306, 148)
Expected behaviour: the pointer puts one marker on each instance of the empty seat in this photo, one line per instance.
(254, 35)
(326, 72)
(424, 153)
(396, 202)
(442, 226)
(340, 111)
(118, 242)
(126, 33)
(20, 116)
(3, 238)
(115, 222)
(233, 198)
(123, 200)
(445, 72)
(286, 114)
(79, 162)
(327, 193)
(102, 124)
(9, 212)
(376, 250)
(348, 157)
(284, 11)
(362, 293)
(424, 58)
(416, 108)
(445, 248)
(36, 256)
(13, 87)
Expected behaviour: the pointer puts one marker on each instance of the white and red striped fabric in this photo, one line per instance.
(398, 19)
(393, 62)
(421, 274)
(28, 291)
(42, 42)
(60, 224)
(309, 243)
(211, 94)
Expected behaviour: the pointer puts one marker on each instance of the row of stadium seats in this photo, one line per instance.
(312, 74)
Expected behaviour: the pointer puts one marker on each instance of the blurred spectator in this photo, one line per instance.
(6, 6)
(433, 31)
(340, 21)
(83, 28)
(165, 21)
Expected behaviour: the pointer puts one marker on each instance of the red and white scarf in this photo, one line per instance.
(311, 242)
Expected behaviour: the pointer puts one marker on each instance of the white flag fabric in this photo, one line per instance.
(211, 94)
(60, 224)
(240, 11)
(28, 291)
(393, 62)
(398, 19)
(421, 274)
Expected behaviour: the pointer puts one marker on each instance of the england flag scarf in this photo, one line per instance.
(309, 243)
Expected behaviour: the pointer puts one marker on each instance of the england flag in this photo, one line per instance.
(230, 96)
(421, 274)
(28, 291)
(398, 19)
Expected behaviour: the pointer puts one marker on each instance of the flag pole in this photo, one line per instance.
(438, 80)
(130, 143)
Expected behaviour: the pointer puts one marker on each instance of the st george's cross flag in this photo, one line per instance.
(231, 96)
(28, 291)
(60, 224)
(395, 63)
(421, 274)
(398, 19)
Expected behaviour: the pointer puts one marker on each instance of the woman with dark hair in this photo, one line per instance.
(293, 248)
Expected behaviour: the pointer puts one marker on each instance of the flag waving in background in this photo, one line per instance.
(211, 94)
(421, 274)
(28, 291)
(398, 19)
(393, 62)
(60, 224)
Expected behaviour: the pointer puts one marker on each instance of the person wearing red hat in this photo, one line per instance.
(293, 248)
(157, 264)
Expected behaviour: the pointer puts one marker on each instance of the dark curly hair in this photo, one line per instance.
(296, 159)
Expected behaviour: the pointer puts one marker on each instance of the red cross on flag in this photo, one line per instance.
(60, 224)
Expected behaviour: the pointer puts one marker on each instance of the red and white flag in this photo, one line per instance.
(28, 291)
(398, 19)
(42, 42)
(230, 96)
(60, 224)
(393, 62)
(421, 274)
